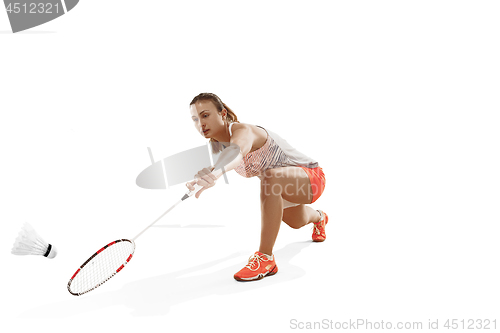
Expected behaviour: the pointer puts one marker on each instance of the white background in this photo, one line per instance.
(397, 100)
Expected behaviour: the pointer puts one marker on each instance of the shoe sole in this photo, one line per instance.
(258, 277)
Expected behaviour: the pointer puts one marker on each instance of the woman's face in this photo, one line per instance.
(207, 120)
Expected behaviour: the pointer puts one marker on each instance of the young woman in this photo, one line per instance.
(289, 179)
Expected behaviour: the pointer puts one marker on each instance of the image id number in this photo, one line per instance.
(33, 8)
(471, 324)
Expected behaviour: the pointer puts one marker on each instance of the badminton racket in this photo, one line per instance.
(112, 258)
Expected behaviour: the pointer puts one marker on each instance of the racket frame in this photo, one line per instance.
(92, 257)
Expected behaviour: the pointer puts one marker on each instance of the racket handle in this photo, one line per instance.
(191, 193)
(197, 187)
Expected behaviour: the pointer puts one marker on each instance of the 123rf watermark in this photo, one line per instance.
(365, 324)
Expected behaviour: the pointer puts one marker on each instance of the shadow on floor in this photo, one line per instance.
(155, 296)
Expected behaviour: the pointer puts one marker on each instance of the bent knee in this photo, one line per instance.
(293, 218)
(294, 225)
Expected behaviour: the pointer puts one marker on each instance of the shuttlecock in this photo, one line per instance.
(29, 242)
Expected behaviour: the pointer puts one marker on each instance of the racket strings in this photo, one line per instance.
(102, 266)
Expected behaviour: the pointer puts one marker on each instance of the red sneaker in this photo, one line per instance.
(319, 234)
(259, 266)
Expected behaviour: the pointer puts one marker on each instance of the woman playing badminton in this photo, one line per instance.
(289, 179)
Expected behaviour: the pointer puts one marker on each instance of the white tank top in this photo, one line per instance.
(275, 153)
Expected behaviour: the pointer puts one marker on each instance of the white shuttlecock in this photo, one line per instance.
(29, 242)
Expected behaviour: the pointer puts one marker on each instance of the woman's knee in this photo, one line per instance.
(294, 224)
(294, 217)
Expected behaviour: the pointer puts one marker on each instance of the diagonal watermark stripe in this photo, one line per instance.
(178, 168)
(26, 14)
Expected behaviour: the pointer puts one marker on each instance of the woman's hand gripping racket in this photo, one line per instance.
(205, 178)
(112, 258)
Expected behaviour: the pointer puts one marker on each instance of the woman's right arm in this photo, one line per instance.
(240, 145)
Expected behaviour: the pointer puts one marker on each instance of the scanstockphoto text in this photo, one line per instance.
(268, 187)
(367, 324)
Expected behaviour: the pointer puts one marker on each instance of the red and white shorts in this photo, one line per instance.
(318, 182)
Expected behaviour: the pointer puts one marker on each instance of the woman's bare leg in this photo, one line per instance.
(289, 183)
(299, 216)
